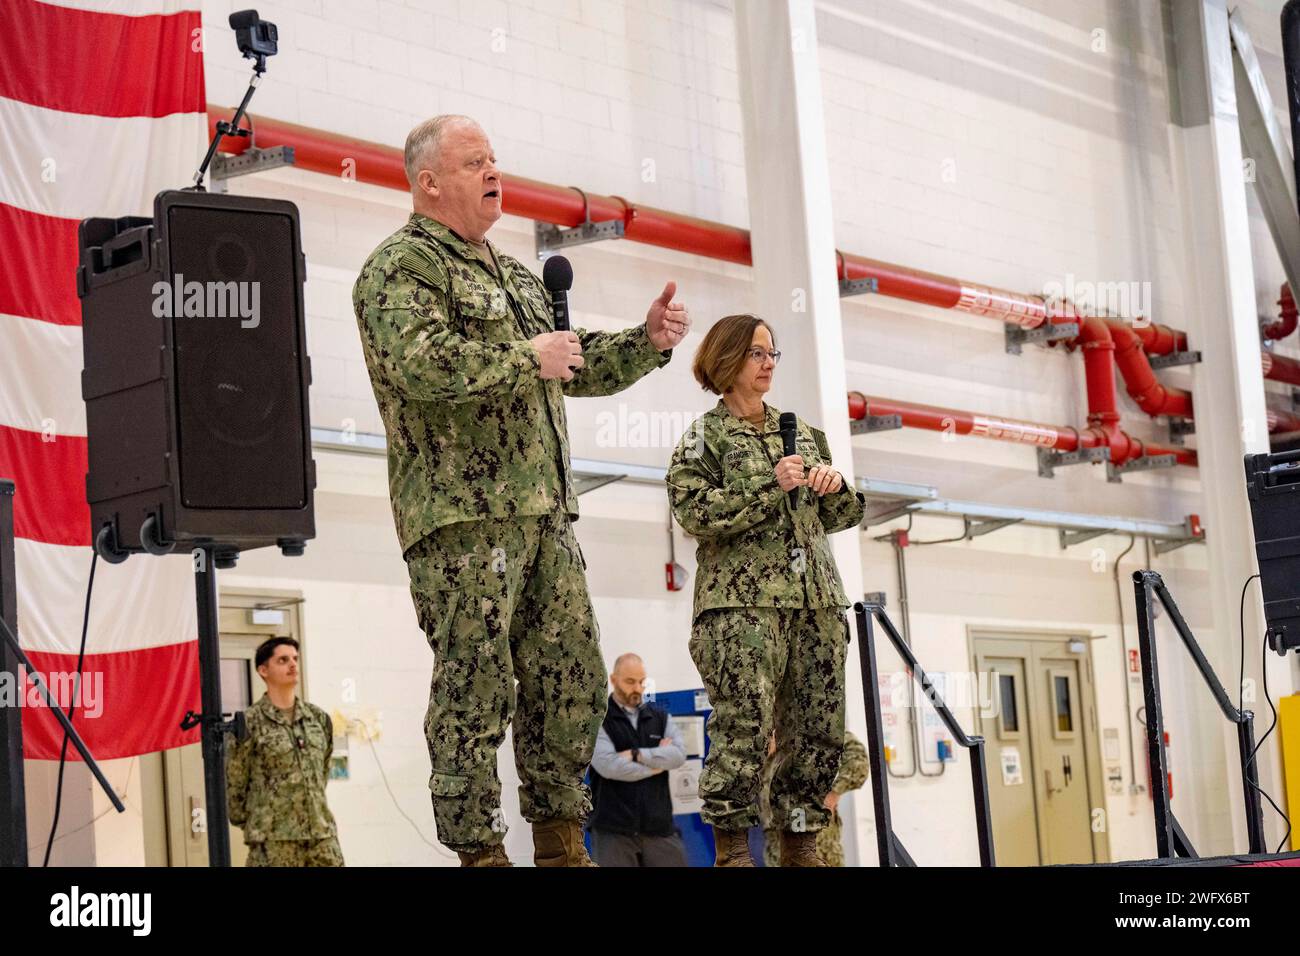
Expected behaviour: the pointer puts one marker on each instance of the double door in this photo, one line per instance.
(1040, 730)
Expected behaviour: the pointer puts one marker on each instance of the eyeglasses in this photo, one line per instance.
(760, 355)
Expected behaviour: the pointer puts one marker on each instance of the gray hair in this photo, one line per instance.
(424, 141)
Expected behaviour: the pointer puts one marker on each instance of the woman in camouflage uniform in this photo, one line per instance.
(769, 632)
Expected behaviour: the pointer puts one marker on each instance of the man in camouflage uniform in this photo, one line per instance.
(853, 773)
(470, 378)
(275, 776)
(769, 632)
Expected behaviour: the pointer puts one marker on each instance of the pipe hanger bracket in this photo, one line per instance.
(1049, 460)
(550, 238)
(875, 423)
(1015, 337)
(252, 160)
(850, 287)
(1115, 473)
(1174, 358)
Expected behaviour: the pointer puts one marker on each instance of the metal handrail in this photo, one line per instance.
(890, 849)
(1170, 839)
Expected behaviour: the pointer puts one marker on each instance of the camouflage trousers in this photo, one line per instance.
(830, 843)
(296, 853)
(504, 601)
(766, 667)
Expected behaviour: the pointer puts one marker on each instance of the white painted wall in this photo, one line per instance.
(985, 140)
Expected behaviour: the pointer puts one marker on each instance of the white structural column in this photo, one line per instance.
(793, 238)
(1229, 401)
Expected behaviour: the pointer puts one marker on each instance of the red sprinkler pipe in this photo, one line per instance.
(330, 154)
(1139, 378)
(930, 288)
(380, 165)
(1099, 372)
(935, 418)
(563, 206)
(1097, 338)
(1281, 420)
(1288, 317)
(1155, 339)
(1060, 437)
(1279, 368)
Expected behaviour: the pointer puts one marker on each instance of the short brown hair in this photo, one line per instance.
(725, 350)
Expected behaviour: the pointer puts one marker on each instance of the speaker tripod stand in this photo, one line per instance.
(212, 723)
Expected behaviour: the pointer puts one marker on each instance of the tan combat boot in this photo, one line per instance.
(800, 849)
(494, 855)
(559, 843)
(732, 848)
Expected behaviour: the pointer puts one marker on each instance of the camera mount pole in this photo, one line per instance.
(257, 39)
(230, 128)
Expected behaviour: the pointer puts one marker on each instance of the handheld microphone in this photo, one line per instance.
(557, 276)
(789, 422)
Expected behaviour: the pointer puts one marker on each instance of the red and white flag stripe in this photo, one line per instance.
(100, 165)
(102, 105)
(127, 64)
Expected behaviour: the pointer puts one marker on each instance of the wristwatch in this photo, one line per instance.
(635, 754)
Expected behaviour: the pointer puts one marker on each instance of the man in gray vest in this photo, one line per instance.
(632, 820)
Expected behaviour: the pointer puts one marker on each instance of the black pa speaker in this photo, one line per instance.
(1273, 485)
(196, 376)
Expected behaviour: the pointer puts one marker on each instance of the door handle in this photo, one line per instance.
(1047, 774)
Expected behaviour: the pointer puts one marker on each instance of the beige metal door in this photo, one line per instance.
(1040, 733)
(1059, 711)
(1010, 757)
(241, 686)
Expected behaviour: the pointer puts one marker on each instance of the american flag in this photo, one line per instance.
(102, 105)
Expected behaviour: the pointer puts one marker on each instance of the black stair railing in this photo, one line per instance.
(1171, 841)
(890, 848)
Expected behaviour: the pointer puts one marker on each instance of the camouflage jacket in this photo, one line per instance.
(275, 777)
(473, 430)
(756, 548)
(854, 766)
